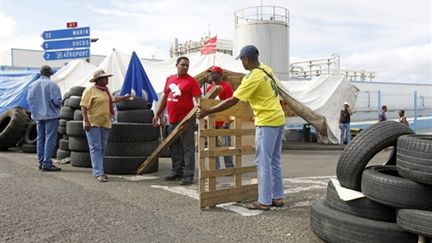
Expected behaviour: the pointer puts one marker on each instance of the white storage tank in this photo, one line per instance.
(266, 27)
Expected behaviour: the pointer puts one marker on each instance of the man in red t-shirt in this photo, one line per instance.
(216, 74)
(179, 92)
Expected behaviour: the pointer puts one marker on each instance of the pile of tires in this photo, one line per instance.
(71, 101)
(132, 139)
(13, 124)
(398, 195)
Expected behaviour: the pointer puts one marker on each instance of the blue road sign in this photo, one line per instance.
(69, 54)
(66, 33)
(66, 44)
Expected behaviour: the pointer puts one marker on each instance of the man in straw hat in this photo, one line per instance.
(259, 88)
(44, 98)
(97, 110)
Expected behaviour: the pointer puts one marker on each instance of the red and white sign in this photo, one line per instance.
(72, 24)
(209, 46)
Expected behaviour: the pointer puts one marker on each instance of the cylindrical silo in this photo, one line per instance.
(266, 27)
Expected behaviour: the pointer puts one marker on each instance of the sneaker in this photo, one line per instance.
(186, 181)
(174, 177)
(52, 168)
(102, 178)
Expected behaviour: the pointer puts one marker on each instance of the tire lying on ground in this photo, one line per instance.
(29, 148)
(334, 226)
(414, 158)
(126, 165)
(415, 221)
(364, 147)
(13, 124)
(30, 134)
(362, 207)
(383, 184)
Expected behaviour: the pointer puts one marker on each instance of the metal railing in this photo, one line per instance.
(267, 13)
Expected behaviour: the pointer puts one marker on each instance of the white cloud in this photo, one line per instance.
(7, 27)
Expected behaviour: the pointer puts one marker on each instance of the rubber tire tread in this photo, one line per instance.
(338, 227)
(364, 147)
(414, 159)
(61, 154)
(74, 102)
(115, 148)
(383, 184)
(133, 132)
(78, 144)
(29, 148)
(78, 115)
(75, 128)
(127, 165)
(64, 144)
(13, 124)
(362, 207)
(135, 116)
(76, 90)
(30, 135)
(66, 113)
(138, 103)
(80, 159)
(415, 221)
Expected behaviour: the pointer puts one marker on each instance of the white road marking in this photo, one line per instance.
(139, 177)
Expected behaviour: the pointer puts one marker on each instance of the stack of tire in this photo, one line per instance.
(398, 195)
(70, 106)
(132, 139)
(13, 124)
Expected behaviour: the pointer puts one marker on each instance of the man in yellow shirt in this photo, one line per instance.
(260, 90)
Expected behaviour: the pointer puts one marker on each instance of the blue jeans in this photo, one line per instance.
(227, 159)
(345, 133)
(183, 152)
(46, 140)
(97, 139)
(267, 159)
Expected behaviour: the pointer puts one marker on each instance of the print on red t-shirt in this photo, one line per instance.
(225, 93)
(180, 92)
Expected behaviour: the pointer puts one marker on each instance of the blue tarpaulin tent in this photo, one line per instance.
(14, 88)
(136, 81)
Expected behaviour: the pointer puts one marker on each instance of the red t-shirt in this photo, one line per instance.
(225, 93)
(180, 92)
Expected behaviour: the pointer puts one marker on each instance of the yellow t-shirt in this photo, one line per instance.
(97, 103)
(257, 89)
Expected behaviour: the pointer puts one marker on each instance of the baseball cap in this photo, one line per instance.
(45, 69)
(215, 69)
(345, 103)
(248, 51)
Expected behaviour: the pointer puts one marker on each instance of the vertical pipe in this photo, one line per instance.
(415, 111)
(379, 100)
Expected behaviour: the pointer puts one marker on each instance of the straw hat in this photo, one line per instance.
(99, 74)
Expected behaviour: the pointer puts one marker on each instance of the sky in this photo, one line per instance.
(390, 37)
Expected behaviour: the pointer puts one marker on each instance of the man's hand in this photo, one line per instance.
(202, 112)
(86, 126)
(158, 120)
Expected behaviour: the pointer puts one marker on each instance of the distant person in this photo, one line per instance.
(44, 98)
(259, 88)
(178, 97)
(402, 118)
(98, 111)
(344, 124)
(382, 115)
(226, 92)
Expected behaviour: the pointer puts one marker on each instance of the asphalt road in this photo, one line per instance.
(72, 206)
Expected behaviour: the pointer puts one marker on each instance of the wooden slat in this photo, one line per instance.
(227, 171)
(202, 160)
(223, 151)
(241, 109)
(247, 192)
(238, 158)
(227, 132)
(176, 132)
(211, 141)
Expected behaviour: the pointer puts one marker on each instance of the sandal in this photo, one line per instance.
(101, 178)
(278, 203)
(258, 206)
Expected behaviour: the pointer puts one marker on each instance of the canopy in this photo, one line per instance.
(75, 73)
(115, 64)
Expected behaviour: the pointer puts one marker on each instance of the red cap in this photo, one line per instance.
(216, 69)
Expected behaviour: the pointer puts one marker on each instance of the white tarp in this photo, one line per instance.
(75, 73)
(116, 64)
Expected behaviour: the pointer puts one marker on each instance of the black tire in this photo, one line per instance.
(334, 226)
(137, 103)
(133, 132)
(383, 184)
(76, 90)
(61, 154)
(62, 123)
(78, 144)
(66, 102)
(66, 113)
(66, 96)
(115, 148)
(64, 144)
(415, 221)
(75, 128)
(78, 115)
(62, 130)
(29, 148)
(30, 135)
(414, 158)
(362, 207)
(126, 165)
(80, 159)
(364, 147)
(13, 124)
(135, 116)
(74, 102)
